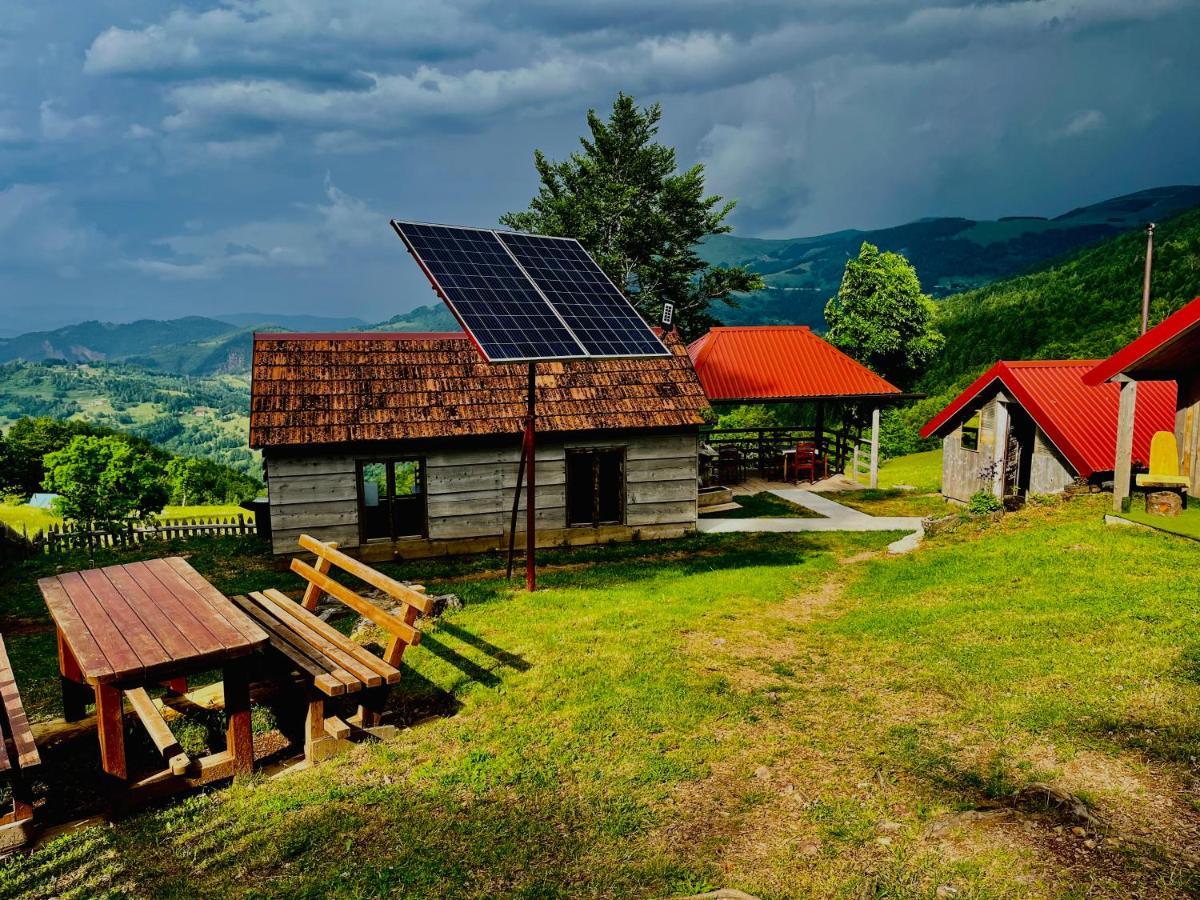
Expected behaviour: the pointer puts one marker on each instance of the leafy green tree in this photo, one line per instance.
(641, 219)
(104, 480)
(881, 318)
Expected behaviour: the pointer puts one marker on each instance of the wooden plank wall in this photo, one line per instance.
(470, 489)
(1049, 473)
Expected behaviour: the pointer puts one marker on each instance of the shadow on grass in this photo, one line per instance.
(613, 565)
(472, 670)
(1176, 742)
(502, 656)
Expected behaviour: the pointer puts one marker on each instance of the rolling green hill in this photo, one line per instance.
(190, 416)
(952, 255)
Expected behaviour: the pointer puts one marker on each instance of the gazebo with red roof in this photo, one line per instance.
(791, 364)
(1168, 351)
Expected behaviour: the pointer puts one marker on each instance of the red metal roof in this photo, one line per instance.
(779, 362)
(1078, 418)
(1170, 345)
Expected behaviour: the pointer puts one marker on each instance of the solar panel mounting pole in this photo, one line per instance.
(531, 484)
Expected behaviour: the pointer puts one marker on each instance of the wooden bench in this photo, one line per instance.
(329, 662)
(18, 753)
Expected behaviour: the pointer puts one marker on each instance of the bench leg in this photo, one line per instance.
(370, 710)
(22, 798)
(75, 694)
(314, 727)
(239, 734)
(111, 727)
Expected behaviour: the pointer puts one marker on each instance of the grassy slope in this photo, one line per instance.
(739, 711)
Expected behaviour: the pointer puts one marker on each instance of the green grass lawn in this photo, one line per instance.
(1186, 524)
(790, 715)
(27, 519)
(921, 471)
(764, 505)
(891, 502)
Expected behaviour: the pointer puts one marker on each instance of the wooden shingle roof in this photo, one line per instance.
(337, 388)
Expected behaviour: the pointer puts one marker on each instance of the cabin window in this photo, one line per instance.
(970, 433)
(596, 486)
(391, 498)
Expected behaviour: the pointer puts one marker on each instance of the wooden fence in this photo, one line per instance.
(61, 537)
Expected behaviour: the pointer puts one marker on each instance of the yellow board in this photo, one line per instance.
(1164, 462)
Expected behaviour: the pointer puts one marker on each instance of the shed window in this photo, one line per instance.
(391, 498)
(596, 486)
(970, 433)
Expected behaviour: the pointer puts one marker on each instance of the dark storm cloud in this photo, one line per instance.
(251, 151)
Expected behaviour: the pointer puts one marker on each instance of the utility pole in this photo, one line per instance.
(1146, 280)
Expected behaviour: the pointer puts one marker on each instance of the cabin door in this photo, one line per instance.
(1018, 456)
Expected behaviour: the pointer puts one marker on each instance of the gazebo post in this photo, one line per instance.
(1123, 468)
(819, 428)
(875, 447)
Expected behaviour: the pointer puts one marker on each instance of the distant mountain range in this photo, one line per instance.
(193, 345)
(951, 255)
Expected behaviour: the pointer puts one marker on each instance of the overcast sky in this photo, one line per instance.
(163, 159)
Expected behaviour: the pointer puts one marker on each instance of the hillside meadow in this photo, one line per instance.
(790, 715)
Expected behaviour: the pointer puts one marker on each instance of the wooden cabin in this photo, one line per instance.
(407, 445)
(1036, 427)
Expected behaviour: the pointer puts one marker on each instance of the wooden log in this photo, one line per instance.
(336, 728)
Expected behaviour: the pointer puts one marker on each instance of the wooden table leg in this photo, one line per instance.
(239, 734)
(110, 725)
(75, 695)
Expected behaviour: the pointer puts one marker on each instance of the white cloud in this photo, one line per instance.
(307, 238)
(296, 35)
(1082, 123)
(57, 126)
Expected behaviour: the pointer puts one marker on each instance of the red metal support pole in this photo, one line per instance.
(531, 482)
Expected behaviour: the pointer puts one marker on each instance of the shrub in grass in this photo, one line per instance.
(983, 503)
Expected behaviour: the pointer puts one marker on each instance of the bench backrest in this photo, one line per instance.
(399, 627)
(1164, 454)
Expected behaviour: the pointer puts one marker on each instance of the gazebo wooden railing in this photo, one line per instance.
(760, 450)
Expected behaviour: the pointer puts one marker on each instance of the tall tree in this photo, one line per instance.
(881, 318)
(104, 480)
(641, 219)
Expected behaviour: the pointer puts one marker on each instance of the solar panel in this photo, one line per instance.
(528, 297)
(489, 294)
(598, 314)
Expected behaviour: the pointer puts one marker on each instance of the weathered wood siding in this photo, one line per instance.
(469, 491)
(1049, 473)
(960, 466)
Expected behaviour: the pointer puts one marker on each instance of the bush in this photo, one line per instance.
(1042, 499)
(984, 503)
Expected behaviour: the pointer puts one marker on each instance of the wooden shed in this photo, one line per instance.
(408, 444)
(1169, 350)
(1035, 427)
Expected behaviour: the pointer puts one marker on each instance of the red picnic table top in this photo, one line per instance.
(146, 621)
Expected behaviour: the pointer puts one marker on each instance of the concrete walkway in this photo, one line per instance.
(837, 518)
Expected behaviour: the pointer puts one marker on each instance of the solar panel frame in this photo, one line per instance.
(499, 307)
(620, 333)
(597, 312)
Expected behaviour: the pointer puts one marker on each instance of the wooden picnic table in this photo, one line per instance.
(124, 628)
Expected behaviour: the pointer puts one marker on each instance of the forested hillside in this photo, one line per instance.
(190, 416)
(1086, 305)
(951, 254)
